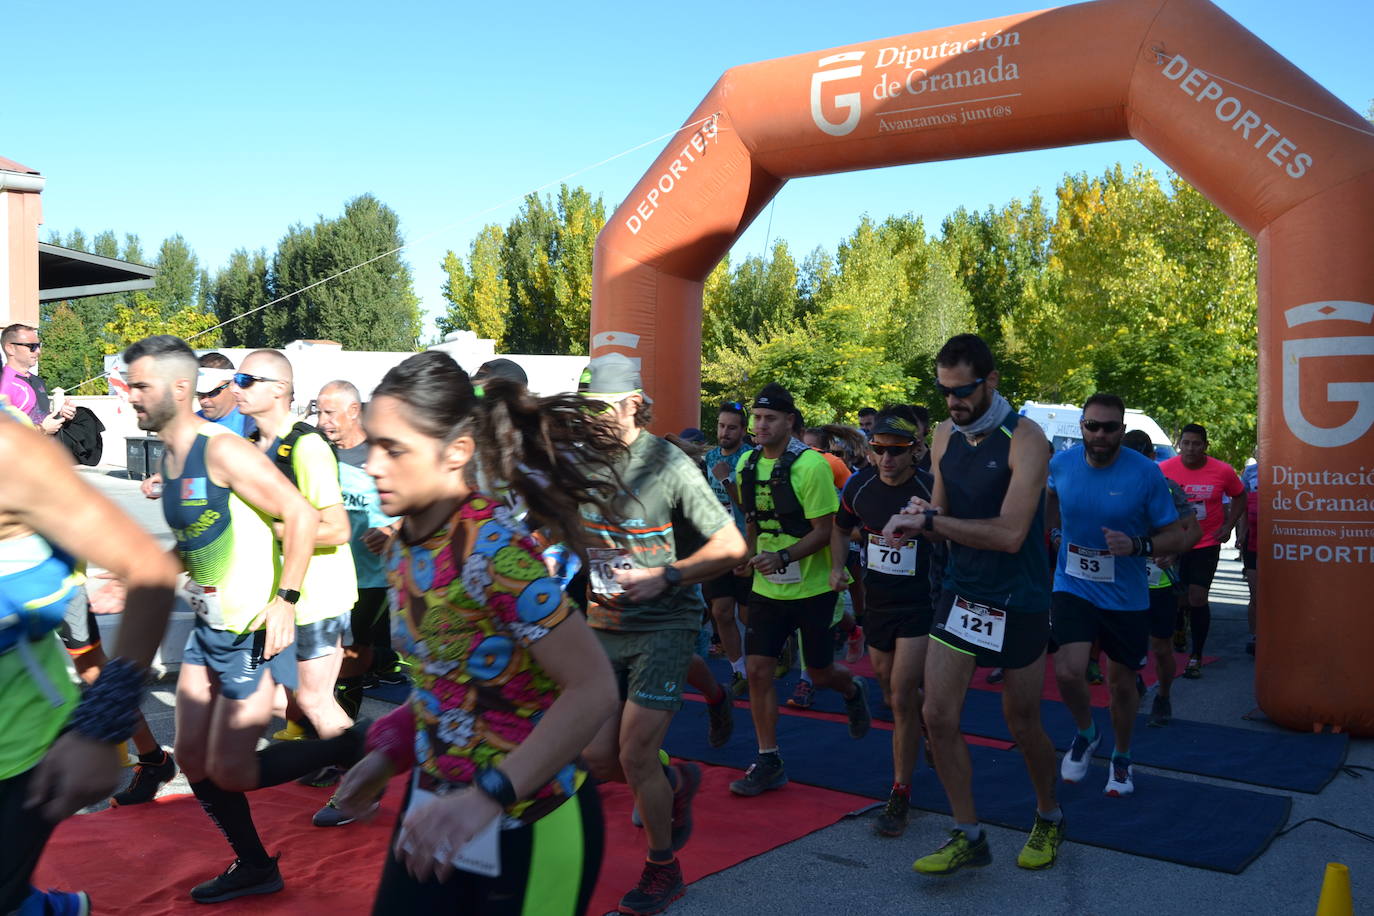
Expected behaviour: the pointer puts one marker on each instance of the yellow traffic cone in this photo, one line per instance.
(1335, 899)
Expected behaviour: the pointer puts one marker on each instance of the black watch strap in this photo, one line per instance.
(289, 595)
(491, 781)
(672, 575)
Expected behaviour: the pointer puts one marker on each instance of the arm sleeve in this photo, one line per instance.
(317, 471)
(815, 485)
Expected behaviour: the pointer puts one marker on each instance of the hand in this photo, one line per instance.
(68, 410)
(721, 470)
(52, 424)
(908, 523)
(110, 597)
(362, 786)
(641, 584)
(1118, 544)
(1164, 561)
(280, 618)
(839, 579)
(1225, 534)
(146, 487)
(374, 539)
(74, 773)
(438, 830)
(767, 562)
(743, 570)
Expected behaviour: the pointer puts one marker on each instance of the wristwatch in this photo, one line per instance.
(491, 781)
(930, 519)
(785, 556)
(289, 595)
(673, 576)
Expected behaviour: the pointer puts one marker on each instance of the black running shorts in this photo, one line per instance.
(1024, 634)
(772, 620)
(1123, 635)
(1199, 565)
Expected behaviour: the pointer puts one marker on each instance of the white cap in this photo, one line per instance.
(210, 379)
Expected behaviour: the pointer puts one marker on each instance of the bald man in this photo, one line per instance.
(263, 388)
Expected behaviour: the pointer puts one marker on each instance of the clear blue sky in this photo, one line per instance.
(227, 123)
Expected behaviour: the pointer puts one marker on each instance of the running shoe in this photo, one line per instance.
(330, 816)
(995, 676)
(739, 685)
(148, 778)
(1161, 712)
(688, 781)
(394, 678)
(54, 903)
(764, 774)
(322, 778)
(958, 852)
(1180, 639)
(239, 880)
(1094, 673)
(803, 696)
(1042, 848)
(1075, 763)
(1119, 782)
(292, 732)
(892, 821)
(659, 885)
(854, 645)
(1193, 670)
(856, 707)
(720, 721)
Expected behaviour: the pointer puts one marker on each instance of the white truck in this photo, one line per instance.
(1060, 423)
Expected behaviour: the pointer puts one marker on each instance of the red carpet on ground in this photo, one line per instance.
(144, 860)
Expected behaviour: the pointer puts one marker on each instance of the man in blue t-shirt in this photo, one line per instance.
(1109, 511)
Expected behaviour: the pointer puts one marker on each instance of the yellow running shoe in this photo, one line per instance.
(957, 853)
(292, 732)
(1042, 848)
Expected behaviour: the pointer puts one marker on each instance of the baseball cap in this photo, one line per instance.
(210, 379)
(775, 397)
(611, 378)
(891, 425)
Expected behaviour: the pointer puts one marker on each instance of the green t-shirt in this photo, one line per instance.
(667, 512)
(330, 586)
(29, 717)
(814, 484)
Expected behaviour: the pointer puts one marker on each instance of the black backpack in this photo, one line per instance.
(281, 457)
(787, 508)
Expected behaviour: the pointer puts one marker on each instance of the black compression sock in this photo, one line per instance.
(153, 758)
(229, 812)
(288, 760)
(1201, 620)
(349, 693)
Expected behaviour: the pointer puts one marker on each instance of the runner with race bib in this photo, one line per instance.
(1110, 511)
(897, 584)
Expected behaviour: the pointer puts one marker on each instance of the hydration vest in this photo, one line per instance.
(281, 455)
(787, 508)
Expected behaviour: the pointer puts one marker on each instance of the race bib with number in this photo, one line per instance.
(1090, 563)
(480, 855)
(893, 560)
(1199, 508)
(604, 561)
(204, 600)
(980, 624)
(788, 575)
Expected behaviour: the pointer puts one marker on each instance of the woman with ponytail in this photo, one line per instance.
(509, 685)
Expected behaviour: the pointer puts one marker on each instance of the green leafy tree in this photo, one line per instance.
(69, 359)
(178, 271)
(477, 295)
(240, 287)
(146, 316)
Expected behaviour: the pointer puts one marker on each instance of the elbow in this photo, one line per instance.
(334, 538)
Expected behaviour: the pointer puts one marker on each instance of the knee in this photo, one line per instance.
(190, 762)
(940, 719)
(1066, 670)
(1023, 721)
(760, 670)
(602, 766)
(722, 613)
(638, 762)
(234, 775)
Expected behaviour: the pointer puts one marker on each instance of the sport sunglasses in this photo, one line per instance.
(890, 449)
(244, 380)
(33, 346)
(212, 393)
(960, 391)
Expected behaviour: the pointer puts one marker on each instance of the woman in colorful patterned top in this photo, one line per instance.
(509, 685)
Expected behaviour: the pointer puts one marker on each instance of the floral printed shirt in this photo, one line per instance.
(478, 691)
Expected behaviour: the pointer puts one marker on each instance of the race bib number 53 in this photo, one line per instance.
(1090, 564)
(980, 624)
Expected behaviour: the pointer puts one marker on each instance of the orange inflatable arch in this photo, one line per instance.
(1279, 154)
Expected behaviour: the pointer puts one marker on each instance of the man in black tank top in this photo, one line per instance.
(988, 502)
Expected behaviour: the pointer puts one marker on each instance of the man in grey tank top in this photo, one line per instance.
(988, 502)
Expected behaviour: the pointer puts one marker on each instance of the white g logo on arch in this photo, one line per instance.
(850, 102)
(1361, 394)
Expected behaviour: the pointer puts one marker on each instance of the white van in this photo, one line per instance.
(1060, 423)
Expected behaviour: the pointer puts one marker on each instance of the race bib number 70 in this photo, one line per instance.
(892, 558)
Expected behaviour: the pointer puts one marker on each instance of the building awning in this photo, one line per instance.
(65, 273)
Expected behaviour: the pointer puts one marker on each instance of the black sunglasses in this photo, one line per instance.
(33, 347)
(890, 449)
(213, 393)
(960, 391)
(244, 380)
(1106, 426)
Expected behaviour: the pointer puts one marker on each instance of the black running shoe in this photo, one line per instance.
(892, 821)
(1161, 712)
(721, 721)
(658, 886)
(688, 781)
(322, 778)
(764, 774)
(148, 778)
(239, 880)
(856, 707)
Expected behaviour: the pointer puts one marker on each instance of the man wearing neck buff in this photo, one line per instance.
(988, 502)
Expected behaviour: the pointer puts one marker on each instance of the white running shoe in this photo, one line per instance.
(1075, 764)
(1119, 783)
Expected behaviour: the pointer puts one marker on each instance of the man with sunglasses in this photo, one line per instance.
(988, 502)
(896, 581)
(1109, 510)
(728, 593)
(22, 386)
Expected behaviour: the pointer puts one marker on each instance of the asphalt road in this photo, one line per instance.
(847, 868)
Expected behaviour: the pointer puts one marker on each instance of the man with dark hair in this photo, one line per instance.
(897, 589)
(728, 593)
(988, 499)
(1204, 479)
(214, 393)
(646, 611)
(867, 417)
(22, 386)
(1109, 510)
(789, 500)
(1162, 573)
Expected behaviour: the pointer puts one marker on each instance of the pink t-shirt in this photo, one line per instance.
(1204, 488)
(26, 393)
